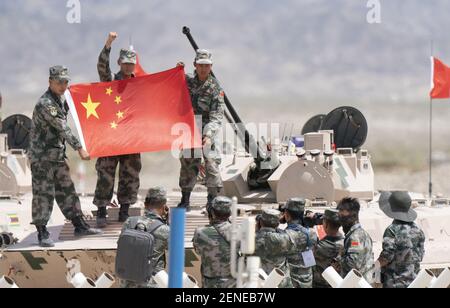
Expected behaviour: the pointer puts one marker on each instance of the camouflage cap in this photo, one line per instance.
(221, 206)
(270, 217)
(295, 205)
(128, 56)
(156, 195)
(59, 72)
(203, 57)
(331, 215)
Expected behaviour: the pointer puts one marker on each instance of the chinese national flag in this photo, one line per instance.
(440, 79)
(142, 114)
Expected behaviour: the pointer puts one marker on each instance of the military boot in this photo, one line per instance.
(44, 237)
(123, 212)
(185, 201)
(101, 217)
(82, 228)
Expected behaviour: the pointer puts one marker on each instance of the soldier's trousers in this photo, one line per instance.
(50, 181)
(190, 168)
(129, 169)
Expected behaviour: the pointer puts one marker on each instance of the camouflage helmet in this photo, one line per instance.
(128, 56)
(156, 195)
(203, 56)
(270, 217)
(221, 206)
(331, 215)
(59, 73)
(295, 205)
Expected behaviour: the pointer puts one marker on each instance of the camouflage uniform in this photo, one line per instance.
(208, 103)
(273, 246)
(403, 248)
(161, 235)
(212, 244)
(305, 239)
(50, 171)
(327, 249)
(129, 165)
(358, 253)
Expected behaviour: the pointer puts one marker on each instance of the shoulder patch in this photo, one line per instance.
(53, 111)
(355, 244)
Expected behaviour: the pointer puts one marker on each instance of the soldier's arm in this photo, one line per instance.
(104, 71)
(195, 242)
(216, 114)
(387, 254)
(422, 245)
(103, 68)
(165, 232)
(58, 122)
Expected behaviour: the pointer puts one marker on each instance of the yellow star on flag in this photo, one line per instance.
(114, 125)
(119, 115)
(90, 107)
(109, 91)
(118, 100)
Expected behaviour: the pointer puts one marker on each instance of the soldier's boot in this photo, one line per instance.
(101, 217)
(44, 237)
(82, 228)
(123, 212)
(185, 201)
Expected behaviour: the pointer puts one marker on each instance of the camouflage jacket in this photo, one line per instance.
(325, 251)
(272, 247)
(49, 130)
(403, 249)
(358, 253)
(214, 250)
(208, 102)
(103, 68)
(304, 239)
(161, 243)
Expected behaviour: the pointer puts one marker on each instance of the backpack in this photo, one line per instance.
(134, 251)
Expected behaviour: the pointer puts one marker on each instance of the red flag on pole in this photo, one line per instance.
(138, 70)
(440, 79)
(143, 114)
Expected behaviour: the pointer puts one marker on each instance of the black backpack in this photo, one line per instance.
(134, 251)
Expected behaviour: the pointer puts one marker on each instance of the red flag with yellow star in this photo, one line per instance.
(143, 114)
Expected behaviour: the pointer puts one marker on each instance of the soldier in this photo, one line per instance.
(212, 243)
(155, 209)
(129, 165)
(208, 103)
(403, 241)
(301, 260)
(358, 250)
(273, 246)
(329, 248)
(50, 171)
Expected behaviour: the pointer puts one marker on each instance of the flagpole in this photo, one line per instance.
(430, 184)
